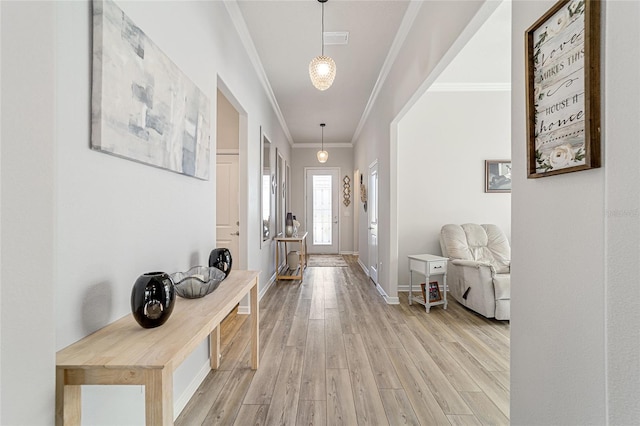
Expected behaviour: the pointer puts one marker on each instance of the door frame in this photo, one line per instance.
(334, 197)
(371, 209)
(243, 183)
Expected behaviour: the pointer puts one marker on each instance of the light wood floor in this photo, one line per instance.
(333, 352)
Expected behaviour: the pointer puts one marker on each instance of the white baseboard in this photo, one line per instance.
(244, 310)
(188, 393)
(364, 268)
(349, 253)
(266, 288)
(182, 402)
(386, 297)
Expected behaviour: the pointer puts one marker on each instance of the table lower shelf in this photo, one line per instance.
(291, 274)
(421, 301)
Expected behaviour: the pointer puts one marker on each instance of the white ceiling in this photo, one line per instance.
(287, 35)
(486, 58)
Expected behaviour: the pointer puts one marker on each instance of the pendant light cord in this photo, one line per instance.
(322, 29)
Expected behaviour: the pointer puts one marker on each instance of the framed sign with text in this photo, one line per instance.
(563, 89)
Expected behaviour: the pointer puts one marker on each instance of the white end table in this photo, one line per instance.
(428, 265)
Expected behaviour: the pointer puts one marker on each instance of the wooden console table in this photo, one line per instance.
(302, 240)
(123, 353)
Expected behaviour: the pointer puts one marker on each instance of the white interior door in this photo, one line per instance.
(227, 211)
(372, 204)
(322, 210)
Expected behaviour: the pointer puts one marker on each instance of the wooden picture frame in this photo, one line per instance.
(563, 89)
(497, 176)
(434, 294)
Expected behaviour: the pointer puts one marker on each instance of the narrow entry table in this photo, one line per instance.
(302, 240)
(123, 353)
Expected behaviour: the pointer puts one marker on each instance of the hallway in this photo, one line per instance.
(332, 352)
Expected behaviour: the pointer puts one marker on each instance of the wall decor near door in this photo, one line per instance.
(563, 89)
(346, 190)
(143, 107)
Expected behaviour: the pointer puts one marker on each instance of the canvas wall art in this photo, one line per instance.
(144, 107)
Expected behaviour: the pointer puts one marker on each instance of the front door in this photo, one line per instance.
(372, 204)
(322, 209)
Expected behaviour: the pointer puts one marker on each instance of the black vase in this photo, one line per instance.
(152, 299)
(288, 223)
(221, 258)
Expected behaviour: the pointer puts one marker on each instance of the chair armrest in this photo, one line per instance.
(473, 264)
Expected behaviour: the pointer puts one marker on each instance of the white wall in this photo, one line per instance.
(90, 223)
(442, 145)
(27, 182)
(575, 353)
(622, 210)
(338, 157)
(435, 31)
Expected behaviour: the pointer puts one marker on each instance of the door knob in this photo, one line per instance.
(235, 233)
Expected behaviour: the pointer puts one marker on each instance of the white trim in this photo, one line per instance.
(364, 268)
(266, 288)
(407, 21)
(188, 393)
(470, 87)
(348, 253)
(389, 300)
(244, 309)
(469, 31)
(305, 195)
(243, 32)
(315, 145)
(476, 22)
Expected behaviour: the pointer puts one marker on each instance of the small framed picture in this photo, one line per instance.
(432, 294)
(497, 176)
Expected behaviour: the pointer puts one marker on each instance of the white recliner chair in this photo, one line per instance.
(478, 273)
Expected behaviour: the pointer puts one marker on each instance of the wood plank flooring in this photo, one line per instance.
(332, 352)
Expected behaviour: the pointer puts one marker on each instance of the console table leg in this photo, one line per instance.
(255, 332)
(158, 397)
(214, 348)
(68, 401)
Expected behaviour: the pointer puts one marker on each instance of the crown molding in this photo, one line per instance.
(317, 145)
(405, 26)
(245, 37)
(470, 87)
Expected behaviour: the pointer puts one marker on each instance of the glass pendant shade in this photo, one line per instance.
(322, 70)
(323, 156)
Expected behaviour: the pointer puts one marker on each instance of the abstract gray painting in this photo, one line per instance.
(143, 107)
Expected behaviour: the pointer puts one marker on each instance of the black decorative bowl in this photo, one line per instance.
(221, 258)
(197, 281)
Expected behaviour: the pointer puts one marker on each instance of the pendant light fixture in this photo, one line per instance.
(323, 155)
(322, 69)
